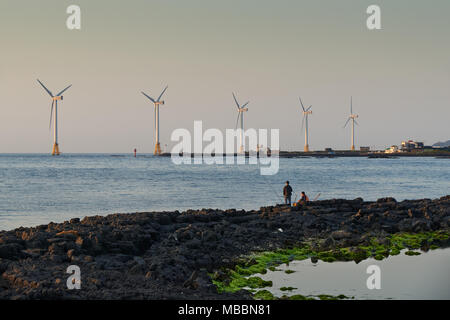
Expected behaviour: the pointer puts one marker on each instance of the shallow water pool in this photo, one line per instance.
(426, 276)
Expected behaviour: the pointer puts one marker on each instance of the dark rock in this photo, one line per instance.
(191, 281)
(136, 269)
(169, 255)
(382, 200)
(329, 243)
(164, 219)
(9, 251)
(419, 225)
(194, 244)
(340, 234)
(84, 243)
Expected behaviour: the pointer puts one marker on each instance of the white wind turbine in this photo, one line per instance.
(55, 150)
(306, 113)
(241, 110)
(352, 117)
(156, 102)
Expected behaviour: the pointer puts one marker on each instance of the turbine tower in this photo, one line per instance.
(241, 110)
(306, 113)
(55, 150)
(352, 117)
(157, 103)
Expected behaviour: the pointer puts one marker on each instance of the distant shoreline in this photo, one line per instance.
(281, 154)
(337, 154)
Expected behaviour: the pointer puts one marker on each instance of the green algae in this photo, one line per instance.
(318, 297)
(330, 297)
(264, 295)
(412, 253)
(241, 276)
(379, 257)
(417, 240)
(289, 271)
(238, 282)
(273, 269)
(287, 288)
(298, 297)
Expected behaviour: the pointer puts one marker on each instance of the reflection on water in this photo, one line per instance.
(426, 276)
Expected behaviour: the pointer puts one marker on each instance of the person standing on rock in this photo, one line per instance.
(287, 193)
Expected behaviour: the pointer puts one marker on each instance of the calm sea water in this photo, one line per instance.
(401, 277)
(38, 188)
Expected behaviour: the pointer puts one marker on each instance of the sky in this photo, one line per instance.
(268, 52)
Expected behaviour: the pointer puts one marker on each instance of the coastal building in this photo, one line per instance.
(392, 149)
(364, 149)
(411, 145)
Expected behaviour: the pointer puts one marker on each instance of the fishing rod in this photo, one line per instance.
(272, 189)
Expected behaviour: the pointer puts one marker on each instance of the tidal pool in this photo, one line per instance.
(425, 276)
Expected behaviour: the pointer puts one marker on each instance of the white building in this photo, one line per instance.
(392, 149)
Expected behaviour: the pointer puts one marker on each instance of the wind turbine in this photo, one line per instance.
(241, 110)
(306, 113)
(156, 102)
(55, 150)
(352, 117)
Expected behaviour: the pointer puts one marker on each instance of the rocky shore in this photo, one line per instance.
(169, 255)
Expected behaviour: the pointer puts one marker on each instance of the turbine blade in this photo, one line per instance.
(63, 90)
(235, 100)
(51, 115)
(237, 120)
(301, 103)
(245, 104)
(48, 91)
(351, 105)
(308, 108)
(148, 97)
(356, 122)
(347, 122)
(162, 93)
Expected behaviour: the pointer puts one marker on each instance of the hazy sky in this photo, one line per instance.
(268, 52)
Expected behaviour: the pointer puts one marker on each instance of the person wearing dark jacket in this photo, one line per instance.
(287, 193)
(304, 197)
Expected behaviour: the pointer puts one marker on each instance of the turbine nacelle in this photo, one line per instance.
(57, 98)
(157, 103)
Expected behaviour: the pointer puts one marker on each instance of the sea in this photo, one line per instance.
(39, 188)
